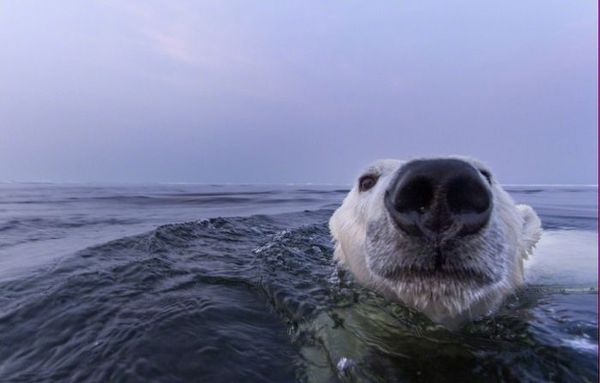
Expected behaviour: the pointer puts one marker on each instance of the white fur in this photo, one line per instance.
(449, 304)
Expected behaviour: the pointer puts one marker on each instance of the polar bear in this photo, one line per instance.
(437, 234)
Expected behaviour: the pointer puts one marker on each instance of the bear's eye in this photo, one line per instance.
(487, 175)
(366, 182)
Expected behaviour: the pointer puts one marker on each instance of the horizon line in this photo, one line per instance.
(248, 183)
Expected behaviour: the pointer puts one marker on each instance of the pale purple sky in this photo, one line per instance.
(295, 91)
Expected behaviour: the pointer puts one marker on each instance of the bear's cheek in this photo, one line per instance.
(492, 253)
(385, 247)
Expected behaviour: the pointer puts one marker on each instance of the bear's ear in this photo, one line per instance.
(532, 229)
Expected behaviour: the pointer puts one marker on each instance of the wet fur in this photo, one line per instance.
(469, 278)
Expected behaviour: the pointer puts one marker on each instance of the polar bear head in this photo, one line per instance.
(439, 235)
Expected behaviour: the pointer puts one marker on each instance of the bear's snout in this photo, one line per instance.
(439, 199)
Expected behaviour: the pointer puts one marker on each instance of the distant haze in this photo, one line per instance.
(295, 91)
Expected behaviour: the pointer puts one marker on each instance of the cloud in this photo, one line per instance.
(168, 32)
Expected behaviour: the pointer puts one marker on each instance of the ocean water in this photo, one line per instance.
(230, 283)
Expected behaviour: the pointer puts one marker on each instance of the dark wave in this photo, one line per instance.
(181, 302)
(42, 223)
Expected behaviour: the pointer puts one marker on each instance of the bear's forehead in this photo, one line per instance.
(383, 166)
(387, 166)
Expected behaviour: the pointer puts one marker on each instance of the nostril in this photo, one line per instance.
(416, 195)
(467, 195)
(436, 199)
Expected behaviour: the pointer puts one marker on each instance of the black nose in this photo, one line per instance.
(439, 199)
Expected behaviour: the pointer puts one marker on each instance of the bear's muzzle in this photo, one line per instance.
(439, 199)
